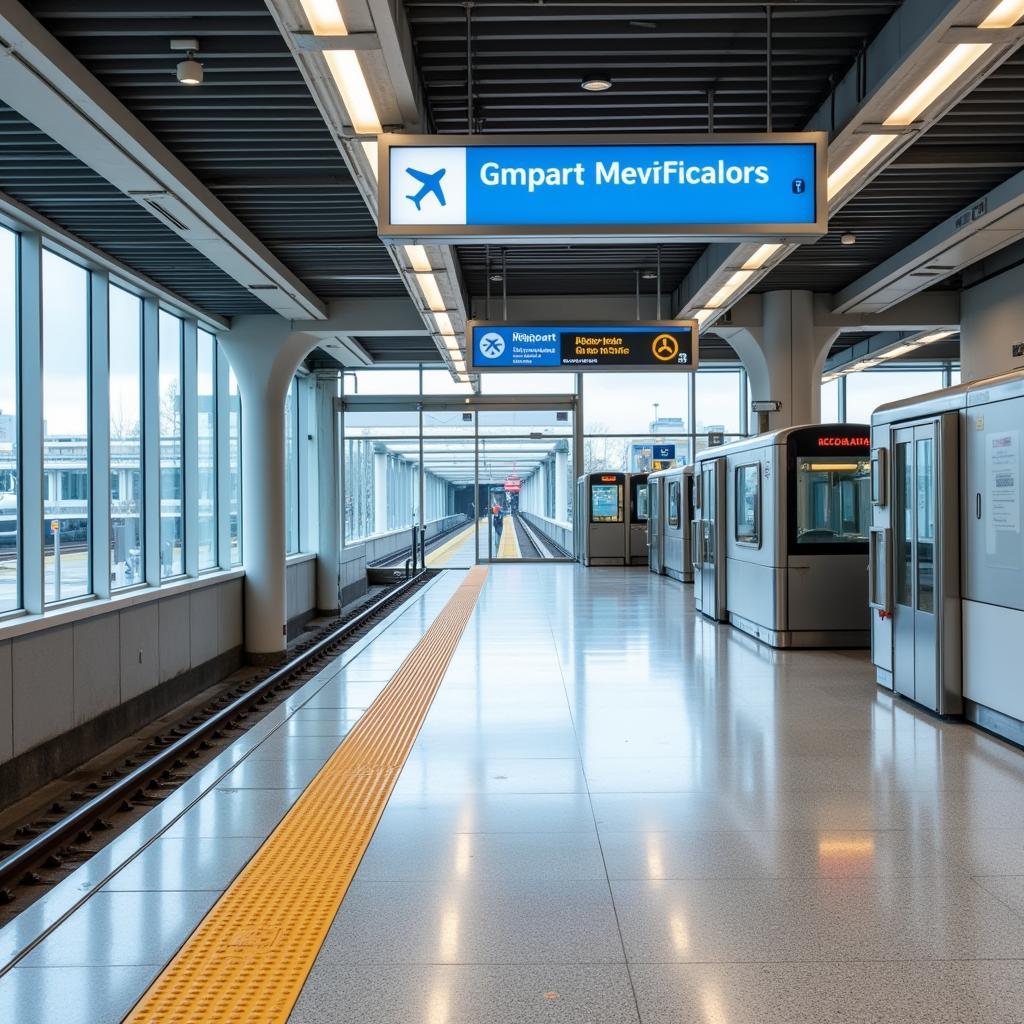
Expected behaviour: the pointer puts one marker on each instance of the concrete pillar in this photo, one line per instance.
(562, 484)
(380, 489)
(991, 313)
(784, 357)
(328, 553)
(264, 353)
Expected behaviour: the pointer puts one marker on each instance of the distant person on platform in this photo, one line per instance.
(497, 519)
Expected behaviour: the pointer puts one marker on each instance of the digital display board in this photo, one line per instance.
(648, 345)
(605, 506)
(509, 188)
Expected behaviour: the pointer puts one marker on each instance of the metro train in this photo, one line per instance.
(947, 551)
(780, 535)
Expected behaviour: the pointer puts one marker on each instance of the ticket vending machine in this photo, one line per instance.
(639, 513)
(601, 520)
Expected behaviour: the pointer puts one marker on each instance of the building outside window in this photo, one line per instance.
(206, 479)
(171, 519)
(67, 564)
(126, 495)
(10, 581)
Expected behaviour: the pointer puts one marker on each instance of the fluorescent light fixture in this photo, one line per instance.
(355, 94)
(703, 314)
(900, 350)
(451, 342)
(431, 293)
(859, 159)
(761, 256)
(1005, 15)
(953, 66)
(444, 323)
(370, 152)
(735, 282)
(324, 17)
(934, 336)
(417, 257)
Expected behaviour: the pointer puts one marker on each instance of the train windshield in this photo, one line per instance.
(833, 500)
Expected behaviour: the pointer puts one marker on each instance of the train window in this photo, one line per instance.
(748, 504)
(833, 501)
(673, 503)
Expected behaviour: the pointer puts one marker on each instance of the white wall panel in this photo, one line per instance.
(44, 671)
(97, 666)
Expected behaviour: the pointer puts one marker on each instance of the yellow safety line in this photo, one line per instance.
(441, 556)
(509, 546)
(249, 958)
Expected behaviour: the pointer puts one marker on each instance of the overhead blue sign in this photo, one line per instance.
(650, 345)
(508, 188)
(663, 452)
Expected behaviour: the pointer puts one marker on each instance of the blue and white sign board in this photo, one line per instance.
(664, 452)
(514, 188)
(646, 345)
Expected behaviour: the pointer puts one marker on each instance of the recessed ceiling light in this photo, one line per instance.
(596, 83)
(649, 275)
(848, 239)
(497, 278)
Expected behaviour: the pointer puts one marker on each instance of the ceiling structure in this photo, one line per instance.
(257, 135)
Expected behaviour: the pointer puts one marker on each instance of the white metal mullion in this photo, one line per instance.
(30, 419)
(99, 431)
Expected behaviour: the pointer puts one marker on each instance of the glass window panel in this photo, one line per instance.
(171, 520)
(830, 401)
(904, 526)
(126, 489)
(441, 382)
(867, 390)
(66, 426)
(925, 472)
(206, 479)
(381, 382)
(833, 501)
(234, 469)
(634, 403)
(717, 401)
(291, 469)
(10, 588)
(528, 383)
(748, 504)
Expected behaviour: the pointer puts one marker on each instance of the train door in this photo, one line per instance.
(926, 591)
(709, 559)
(656, 524)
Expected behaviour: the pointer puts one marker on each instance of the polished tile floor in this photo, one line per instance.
(618, 812)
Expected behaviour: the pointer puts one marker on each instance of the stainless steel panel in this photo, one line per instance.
(994, 524)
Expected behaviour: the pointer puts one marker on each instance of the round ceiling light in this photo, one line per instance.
(190, 71)
(848, 239)
(596, 83)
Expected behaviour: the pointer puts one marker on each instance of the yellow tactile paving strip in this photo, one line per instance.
(441, 556)
(249, 958)
(509, 546)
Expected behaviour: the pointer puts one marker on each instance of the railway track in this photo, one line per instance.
(92, 811)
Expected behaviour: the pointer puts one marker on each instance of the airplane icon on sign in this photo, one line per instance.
(431, 184)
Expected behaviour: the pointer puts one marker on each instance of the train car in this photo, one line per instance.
(780, 535)
(670, 493)
(601, 519)
(639, 513)
(947, 551)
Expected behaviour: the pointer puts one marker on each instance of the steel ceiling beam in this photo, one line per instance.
(48, 86)
(917, 36)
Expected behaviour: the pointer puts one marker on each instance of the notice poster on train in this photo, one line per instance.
(1002, 457)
